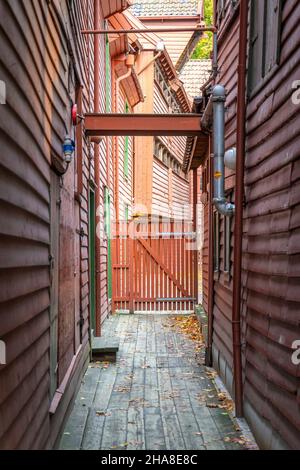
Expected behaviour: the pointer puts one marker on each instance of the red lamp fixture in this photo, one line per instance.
(74, 113)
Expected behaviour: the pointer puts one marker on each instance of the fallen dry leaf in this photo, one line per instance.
(190, 327)
(102, 413)
(126, 444)
(146, 366)
(122, 389)
(238, 440)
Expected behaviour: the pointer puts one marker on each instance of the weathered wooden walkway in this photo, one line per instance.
(154, 398)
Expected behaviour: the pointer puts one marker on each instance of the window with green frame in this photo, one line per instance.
(126, 148)
(126, 212)
(107, 76)
(107, 218)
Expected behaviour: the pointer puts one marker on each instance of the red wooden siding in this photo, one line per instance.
(272, 243)
(222, 310)
(204, 196)
(170, 191)
(32, 129)
(175, 43)
(125, 183)
(270, 297)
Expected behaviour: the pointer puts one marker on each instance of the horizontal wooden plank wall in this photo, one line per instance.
(270, 277)
(175, 43)
(34, 63)
(160, 191)
(204, 249)
(222, 309)
(106, 180)
(125, 182)
(170, 192)
(81, 15)
(272, 244)
(154, 273)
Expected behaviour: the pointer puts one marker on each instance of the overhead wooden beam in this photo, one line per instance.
(97, 125)
(161, 29)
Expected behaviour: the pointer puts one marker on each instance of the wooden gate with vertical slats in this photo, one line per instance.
(153, 267)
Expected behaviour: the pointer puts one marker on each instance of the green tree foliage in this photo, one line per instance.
(205, 45)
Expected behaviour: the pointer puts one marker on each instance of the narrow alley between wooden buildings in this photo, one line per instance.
(159, 395)
(149, 224)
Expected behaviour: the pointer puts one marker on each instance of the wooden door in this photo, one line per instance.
(154, 270)
(92, 259)
(77, 278)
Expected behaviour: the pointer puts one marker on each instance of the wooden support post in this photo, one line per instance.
(131, 262)
(195, 228)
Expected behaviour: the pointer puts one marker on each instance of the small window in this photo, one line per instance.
(165, 157)
(126, 212)
(220, 10)
(161, 152)
(156, 149)
(216, 242)
(265, 29)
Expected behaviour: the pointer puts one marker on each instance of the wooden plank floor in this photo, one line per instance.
(154, 397)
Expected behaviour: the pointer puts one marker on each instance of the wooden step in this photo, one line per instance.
(105, 349)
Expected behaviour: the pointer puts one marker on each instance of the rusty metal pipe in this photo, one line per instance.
(186, 29)
(239, 198)
(117, 154)
(97, 164)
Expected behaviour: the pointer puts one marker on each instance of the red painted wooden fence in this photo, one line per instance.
(153, 267)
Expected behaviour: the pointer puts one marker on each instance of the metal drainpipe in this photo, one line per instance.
(209, 351)
(239, 199)
(97, 163)
(211, 296)
(117, 155)
(219, 200)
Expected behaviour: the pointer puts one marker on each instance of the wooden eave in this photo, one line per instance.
(147, 40)
(130, 85)
(172, 76)
(118, 45)
(196, 152)
(120, 21)
(143, 124)
(111, 7)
